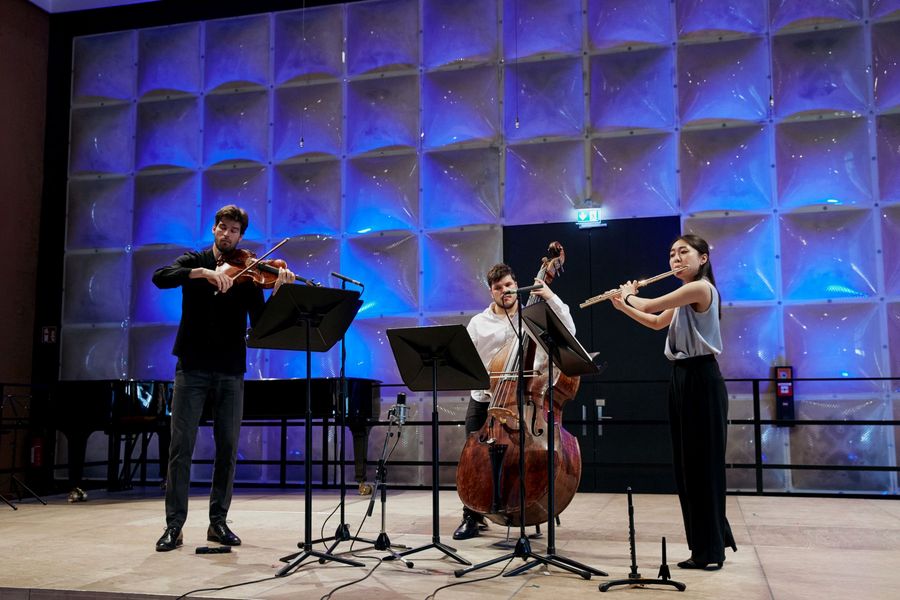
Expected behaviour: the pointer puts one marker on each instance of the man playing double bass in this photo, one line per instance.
(491, 330)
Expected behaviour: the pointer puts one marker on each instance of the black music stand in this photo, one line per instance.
(436, 358)
(564, 351)
(313, 319)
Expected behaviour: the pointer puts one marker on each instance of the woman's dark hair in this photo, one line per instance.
(702, 247)
(498, 272)
(233, 213)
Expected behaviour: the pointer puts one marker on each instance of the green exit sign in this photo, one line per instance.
(588, 217)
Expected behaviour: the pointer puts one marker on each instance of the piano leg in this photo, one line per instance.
(360, 433)
(76, 441)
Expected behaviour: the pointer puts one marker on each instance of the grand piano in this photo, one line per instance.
(130, 412)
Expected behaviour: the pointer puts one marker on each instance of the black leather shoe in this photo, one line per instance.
(467, 529)
(692, 564)
(171, 539)
(219, 532)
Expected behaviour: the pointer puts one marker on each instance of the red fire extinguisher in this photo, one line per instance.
(37, 452)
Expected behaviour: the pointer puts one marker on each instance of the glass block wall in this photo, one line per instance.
(394, 139)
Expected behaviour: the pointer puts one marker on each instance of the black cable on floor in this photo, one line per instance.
(455, 583)
(234, 585)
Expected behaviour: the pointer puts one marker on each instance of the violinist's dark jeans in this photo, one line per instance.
(476, 415)
(226, 392)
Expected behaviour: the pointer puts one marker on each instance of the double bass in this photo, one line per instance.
(488, 477)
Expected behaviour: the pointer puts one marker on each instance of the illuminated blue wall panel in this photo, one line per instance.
(461, 106)
(724, 81)
(746, 244)
(103, 67)
(307, 197)
(306, 44)
(614, 23)
(888, 140)
(149, 303)
(98, 213)
(852, 333)
(393, 139)
(382, 114)
(712, 17)
(890, 244)
(632, 90)
(382, 36)
(792, 13)
(532, 27)
(459, 32)
(826, 255)
(170, 60)
(167, 208)
(726, 169)
(168, 134)
(824, 163)
(237, 52)
(460, 187)
(819, 71)
(307, 120)
(102, 140)
(382, 193)
(635, 176)
(544, 99)
(235, 127)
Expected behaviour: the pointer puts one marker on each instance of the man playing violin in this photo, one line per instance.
(491, 330)
(212, 358)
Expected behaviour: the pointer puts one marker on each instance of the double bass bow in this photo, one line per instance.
(488, 477)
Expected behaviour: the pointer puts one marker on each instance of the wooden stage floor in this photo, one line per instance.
(788, 548)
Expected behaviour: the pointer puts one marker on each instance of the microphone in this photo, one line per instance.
(401, 409)
(347, 279)
(527, 288)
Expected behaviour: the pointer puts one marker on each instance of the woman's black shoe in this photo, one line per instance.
(692, 564)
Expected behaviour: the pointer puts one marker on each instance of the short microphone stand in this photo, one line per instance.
(384, 541)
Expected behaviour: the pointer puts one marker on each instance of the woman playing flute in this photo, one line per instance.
(698, 400)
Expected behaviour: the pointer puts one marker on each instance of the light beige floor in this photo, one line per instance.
(788, 548)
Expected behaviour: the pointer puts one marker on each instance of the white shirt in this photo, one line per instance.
(491, 331)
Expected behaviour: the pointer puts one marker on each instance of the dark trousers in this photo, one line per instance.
(698, 415)
(476, 415)
(226, 392)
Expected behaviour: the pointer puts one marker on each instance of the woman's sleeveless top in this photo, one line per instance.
(693, 333)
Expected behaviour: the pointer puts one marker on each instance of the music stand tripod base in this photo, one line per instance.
(310, 319)
(436, 358)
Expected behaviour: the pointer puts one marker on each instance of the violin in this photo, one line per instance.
(243, 266)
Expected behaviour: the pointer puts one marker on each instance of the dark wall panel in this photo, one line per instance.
(632, 387)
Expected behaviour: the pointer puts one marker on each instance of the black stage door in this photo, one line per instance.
(615, 453)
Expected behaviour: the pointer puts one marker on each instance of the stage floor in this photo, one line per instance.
(791, 548)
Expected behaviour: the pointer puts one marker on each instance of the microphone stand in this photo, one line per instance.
(384, 541)
(342, 533)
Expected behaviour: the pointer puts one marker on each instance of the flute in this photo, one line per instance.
(641, 283)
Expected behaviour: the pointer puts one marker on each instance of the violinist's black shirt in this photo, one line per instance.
(212, 329)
